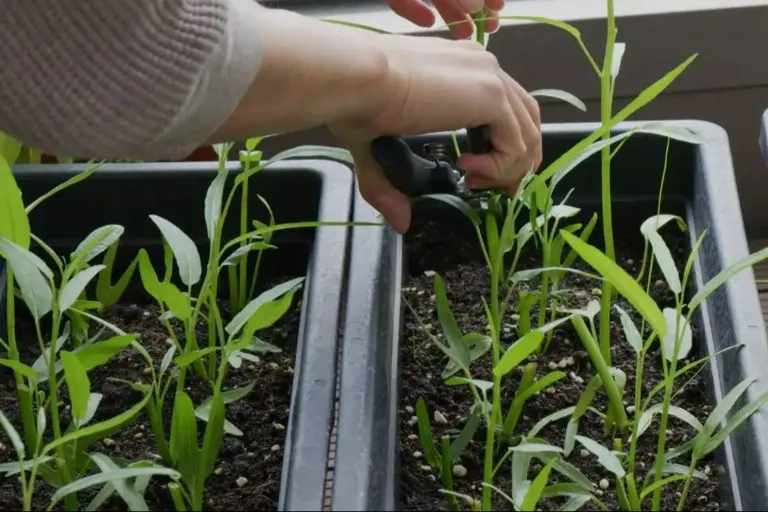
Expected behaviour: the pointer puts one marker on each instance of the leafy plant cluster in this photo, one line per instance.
(66, 296)
(538, 312)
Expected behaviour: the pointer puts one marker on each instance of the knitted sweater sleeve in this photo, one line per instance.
(142, 79)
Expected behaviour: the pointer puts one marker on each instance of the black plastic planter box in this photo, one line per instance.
(700, 186)
(297, 191)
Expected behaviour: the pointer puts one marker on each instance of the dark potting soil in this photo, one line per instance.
(430, 246)
(262, 415)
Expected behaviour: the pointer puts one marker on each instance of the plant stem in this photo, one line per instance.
(686, 485)
(242, 286)
(603, 370)
(24, 393)
(606, 100)
(638, 410)
(668, 389)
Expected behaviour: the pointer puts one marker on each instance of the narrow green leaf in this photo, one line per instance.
(684, 335)
(425, 434)
(664, 259)
(313, 152)
(605, 457)
(715, 283)
(10, 148)
(203, 411)
(109, 425)
(237, 323)
(536, 448)
(240, 252)
(622, 281)
(537, 487)
(719, 413)
(163, 292)
(458, 349)
(183, 446)
(661, 483)
(467, 433)
(618, 55)
(190, 357)
(214, 435)
(35, 290)
(184, 250)
(630, 330)
(76, 286)
(516, 353)
(13, 435)
(457, 203)
(99, 353)
(559, 94)
(550, 418)
(647, 417)
(77, 382)
(110, 476)
(14, 224)
(133, 499)
(58, 188)
(213, 201)
(98, 241)
(645, 97)
(477, 344)
(23, 369)
(735, 422)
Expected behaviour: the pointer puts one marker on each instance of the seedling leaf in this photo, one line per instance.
(75, 286)
(458, 349)
(714, 283)
(604, 456)
(630, 330)
(684, 334)
(14, 223)
(213, 200)
(620, 280)
(560, 95)
(184, 250)
(35, 291)
(78, 384)
(537, 487)
(649, 230)
(516, 353)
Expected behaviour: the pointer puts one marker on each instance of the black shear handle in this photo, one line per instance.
(416, 176)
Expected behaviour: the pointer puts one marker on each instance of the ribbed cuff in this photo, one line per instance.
(223, 82)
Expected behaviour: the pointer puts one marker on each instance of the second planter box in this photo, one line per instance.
(389, 362)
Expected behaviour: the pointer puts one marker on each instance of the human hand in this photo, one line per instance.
(434, 84)
(455, 13)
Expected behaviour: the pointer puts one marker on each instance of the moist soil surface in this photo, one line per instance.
(430, 246)
(262, 415)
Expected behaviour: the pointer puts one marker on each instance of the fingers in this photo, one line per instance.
(516, 141)
(392, 204)
(457, 18)
(413, 10)
(491, 25)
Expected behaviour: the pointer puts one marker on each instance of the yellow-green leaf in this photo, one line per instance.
(623, 282)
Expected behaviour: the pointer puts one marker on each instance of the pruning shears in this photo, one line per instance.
(415, 176)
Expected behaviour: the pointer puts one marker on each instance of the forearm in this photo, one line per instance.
(146, 79)
(153, 79)
(312, 73)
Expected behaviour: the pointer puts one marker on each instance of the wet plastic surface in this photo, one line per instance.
(127, 194)
(700, 186)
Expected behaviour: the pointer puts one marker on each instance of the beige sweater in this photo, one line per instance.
(143, 79)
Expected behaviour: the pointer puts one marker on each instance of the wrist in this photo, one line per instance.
(312, 73)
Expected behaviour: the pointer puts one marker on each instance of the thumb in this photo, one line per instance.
(392, 204)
